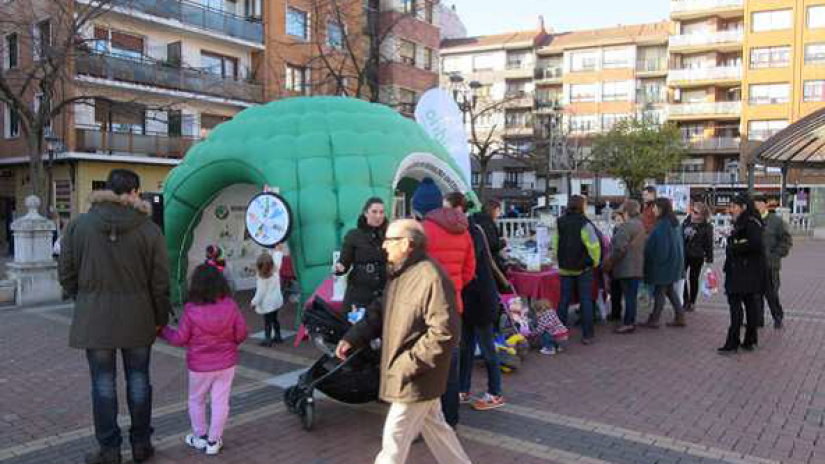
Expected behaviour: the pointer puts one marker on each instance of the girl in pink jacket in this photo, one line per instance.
(211, 329)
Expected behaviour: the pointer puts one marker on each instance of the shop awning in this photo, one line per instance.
(801, 145)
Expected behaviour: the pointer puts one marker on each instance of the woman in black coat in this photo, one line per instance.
(698, 233)
(481, 301)
(744, 273)
(363, 257)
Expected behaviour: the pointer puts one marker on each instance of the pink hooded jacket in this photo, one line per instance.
(211, 333)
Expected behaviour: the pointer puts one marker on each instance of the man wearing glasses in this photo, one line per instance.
(419, 325)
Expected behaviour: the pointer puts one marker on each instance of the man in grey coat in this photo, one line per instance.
(113, 262)
(777, 241)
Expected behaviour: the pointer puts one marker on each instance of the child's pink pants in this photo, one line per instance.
(218, 385)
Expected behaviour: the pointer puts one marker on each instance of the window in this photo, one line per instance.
(583, 92)
(762, 130)
(210, 121)
(583, 123)
(769, 94)
(121, 44)
(297, 80)
(12, 53)
(516, 89)
(517, 119)
(616, 91)
(120, 116)
(335, 35)
(483, 62)
(513, 178)
(813, 91)
(583, 61)
(617, 58)
(429, 59)
(815, 53)
(42, 39)
(517, 60)
(772, 20)
(610, 120)
(410, 6)
(219, 65)
(651, 92)
(407, 52)
(770, 57)
(296, 23)
(452, 64)
(816, 16)
(406, 101)
(11, 120)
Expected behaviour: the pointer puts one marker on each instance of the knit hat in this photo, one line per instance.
(427, 197)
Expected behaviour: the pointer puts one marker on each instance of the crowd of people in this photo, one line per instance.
(429, 287)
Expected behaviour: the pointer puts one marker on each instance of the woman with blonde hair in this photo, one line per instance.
(698, 234)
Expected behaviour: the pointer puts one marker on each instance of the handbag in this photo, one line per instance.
(610, 261)
(502, 282)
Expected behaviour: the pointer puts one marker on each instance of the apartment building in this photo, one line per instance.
(705, 78)
(409, 51)
(784, 73)
(588, 80)
(159, 75)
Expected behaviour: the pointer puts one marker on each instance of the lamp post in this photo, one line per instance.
(465, 96)
(558, 144)
(53, 145)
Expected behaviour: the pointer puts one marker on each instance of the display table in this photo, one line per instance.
(545, 285)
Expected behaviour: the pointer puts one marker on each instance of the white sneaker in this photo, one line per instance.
(214, 448)
(199, 443)
(548, 351)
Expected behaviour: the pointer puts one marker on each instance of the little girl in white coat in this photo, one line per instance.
(268, 298)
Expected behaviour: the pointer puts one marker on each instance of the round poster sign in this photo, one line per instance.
(268, 219)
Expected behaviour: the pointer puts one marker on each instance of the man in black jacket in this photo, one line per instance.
(777, 241)
(113, 262)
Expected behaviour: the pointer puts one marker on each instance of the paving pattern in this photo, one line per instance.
(656, 396)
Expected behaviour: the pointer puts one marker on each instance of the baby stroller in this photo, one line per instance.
(353, 381)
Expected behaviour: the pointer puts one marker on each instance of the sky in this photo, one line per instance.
(484, 17)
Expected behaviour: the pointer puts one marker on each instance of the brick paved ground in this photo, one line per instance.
(653, 397)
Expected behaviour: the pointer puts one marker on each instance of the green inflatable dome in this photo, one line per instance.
(325, 155)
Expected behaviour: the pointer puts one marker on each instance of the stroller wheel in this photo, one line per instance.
(289, 399)
(307, 411)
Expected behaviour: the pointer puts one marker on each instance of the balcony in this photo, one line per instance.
(160, 75)
(201, 17)
(703, 110)
(726, 144)
(651, 66)
(94, 140)
(708, 178)
(552, 75)
(705, 76)
(547, 105)
(720, 41)
(644, 98)
(686, 9)
(518, 99)
(518, 70)
(518, 130)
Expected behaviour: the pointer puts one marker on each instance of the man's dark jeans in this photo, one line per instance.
(582, 285)
(103, 370)
(449, 400)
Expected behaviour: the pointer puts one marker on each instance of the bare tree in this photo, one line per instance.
(347, 43)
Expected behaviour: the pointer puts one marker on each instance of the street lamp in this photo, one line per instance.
(53, 145)
(466, 97)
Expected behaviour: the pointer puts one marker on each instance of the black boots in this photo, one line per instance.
(142, 452)
(104, 456)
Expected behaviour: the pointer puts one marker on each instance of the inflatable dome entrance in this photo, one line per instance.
(325, 156)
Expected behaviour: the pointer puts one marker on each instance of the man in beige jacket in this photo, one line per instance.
(418, 323)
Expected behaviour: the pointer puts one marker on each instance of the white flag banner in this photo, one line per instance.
(440, 116)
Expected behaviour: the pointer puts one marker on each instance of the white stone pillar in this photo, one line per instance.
(33, 270)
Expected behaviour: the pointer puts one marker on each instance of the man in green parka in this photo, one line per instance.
(114, 264)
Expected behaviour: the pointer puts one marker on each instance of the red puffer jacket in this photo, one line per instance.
(450, 245)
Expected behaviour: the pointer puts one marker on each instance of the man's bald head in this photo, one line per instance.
(411, 229)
